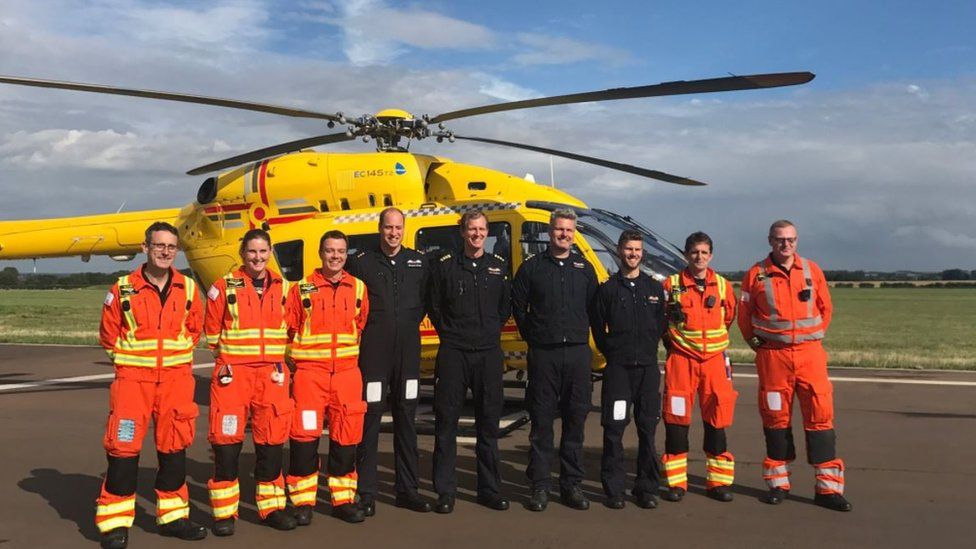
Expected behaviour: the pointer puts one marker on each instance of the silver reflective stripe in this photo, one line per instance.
(771, 324)
(831, 471)
(809, 322)
(778, 470)
(806, 276)
(770, 297)
(830, 485)
(770, 336)
(810, 337)
(777, 482)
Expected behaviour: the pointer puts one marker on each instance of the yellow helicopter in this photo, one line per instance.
(298, 194)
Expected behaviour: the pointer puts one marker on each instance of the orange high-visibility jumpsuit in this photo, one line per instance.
(247, 333)
(324, 321)
(697, 364)
(151, 342)
(790, 313)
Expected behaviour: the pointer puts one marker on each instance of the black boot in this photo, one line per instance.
(224, 527)
(445, 504)
(349, 512)
(183, 529)
(834, 502)
(493, 501)
(720, 493)
(775, 496)
(539, 500)
(413, 502)
(368, 506)
(280, 520)
(615, 502)
(303, 515)
(674, 494)
(574, 499)
(116, 539)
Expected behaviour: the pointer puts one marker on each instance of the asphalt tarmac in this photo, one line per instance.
(907, 438)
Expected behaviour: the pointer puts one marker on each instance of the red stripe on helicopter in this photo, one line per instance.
(288, 219)
(262, 183)
(226, 208)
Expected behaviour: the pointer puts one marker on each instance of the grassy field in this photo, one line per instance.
(872, 327)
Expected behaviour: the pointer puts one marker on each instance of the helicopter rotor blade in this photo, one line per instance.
(169, 96)
(680, 87)
(275, 150)
(644, 172)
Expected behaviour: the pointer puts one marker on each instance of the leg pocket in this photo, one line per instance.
(175, 431)
(227, 425)
(347, 428)
(124, 433)
(821, 409)
(719, 409)
(677, 407)
(272, 422)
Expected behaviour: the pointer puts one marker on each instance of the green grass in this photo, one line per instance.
(872, 327)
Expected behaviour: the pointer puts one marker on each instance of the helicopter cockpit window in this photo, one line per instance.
(360, 242)
(602, 229)
(435, 241)
(290, 257)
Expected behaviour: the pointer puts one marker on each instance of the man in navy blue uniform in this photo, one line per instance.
(550, 297)
(628, 319)
(470, 303)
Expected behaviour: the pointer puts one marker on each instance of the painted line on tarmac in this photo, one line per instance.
(70, 380)
(948, 382)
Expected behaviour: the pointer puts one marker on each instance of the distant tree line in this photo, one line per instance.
(10, 278)
(875, 276)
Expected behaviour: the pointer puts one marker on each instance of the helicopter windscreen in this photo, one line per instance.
(602, 229)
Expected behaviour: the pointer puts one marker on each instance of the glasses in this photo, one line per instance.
(791, 240)
(161, 247)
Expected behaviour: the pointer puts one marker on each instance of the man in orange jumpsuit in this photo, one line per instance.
(784, 313)
(701, 307)
(246, 330)
(325, 314)
(151, 320)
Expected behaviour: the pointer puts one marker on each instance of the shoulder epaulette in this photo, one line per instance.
(361, 254)
(500, 258)
(528, 257)
(445, 257)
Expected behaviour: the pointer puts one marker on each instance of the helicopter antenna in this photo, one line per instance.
(120, 207)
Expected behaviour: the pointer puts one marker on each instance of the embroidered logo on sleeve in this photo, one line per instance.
(213, 293)
(109, 299)
(235, 282)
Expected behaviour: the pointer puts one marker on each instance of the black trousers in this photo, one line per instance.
(559, 386)
(625, 387)
(457, 371)
(391, 376)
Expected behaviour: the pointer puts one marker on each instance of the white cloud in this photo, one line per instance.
(558, 50)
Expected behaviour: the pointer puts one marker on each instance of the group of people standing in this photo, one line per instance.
(336, 348)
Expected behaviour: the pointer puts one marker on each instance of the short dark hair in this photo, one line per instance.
(467, 216)
(780, 224)
(334, 234)
(697, 237)
(255, 234)
(629, 235)
(389, 210)
(161, 226)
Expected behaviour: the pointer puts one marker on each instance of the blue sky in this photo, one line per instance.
(875, 159)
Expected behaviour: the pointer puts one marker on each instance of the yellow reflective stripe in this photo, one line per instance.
(117, 507)
(720, 332)
(213, 339)
(304, 484)
(229, 349)
(302, 498)
(232, 309)
(317, 339)
(360, 290)
(174, 515)
(180, 344)
(224, 493)
(720, 463)
(343, 495)
(676, 464)
(677, 478)
(138, 345)
(225, 511)
(115, 522)
(166, 504)
(342, 482)
(265, 504)
(134, 360)
(343, 352)
(269, 490)
(310, 354)
(176, 360)
(721, 288)
(347, 338)
(254, 333)
(720, 478)
(275, 349)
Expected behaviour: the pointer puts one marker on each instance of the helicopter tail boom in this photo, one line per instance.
(115, 234)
